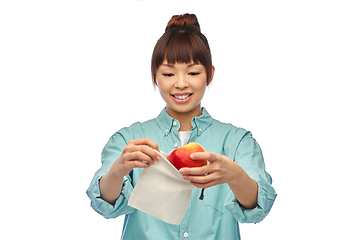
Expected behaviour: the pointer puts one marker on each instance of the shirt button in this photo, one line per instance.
(175, 145)
(167, 130)
(174, 123)
(199, 129)
(186, 234)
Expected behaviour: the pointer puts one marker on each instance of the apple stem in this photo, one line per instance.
(202, 194)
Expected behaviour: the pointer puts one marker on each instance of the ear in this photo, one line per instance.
(212, 75)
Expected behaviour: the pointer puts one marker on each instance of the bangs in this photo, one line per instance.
(181, 46)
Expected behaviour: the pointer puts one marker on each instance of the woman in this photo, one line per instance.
(238, 189)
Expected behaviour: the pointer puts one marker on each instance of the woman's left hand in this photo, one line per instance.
(221, 169)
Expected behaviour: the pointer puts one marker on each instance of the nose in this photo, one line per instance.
(181, 82)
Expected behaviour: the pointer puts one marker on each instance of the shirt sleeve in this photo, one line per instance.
(249, 156)
(111, 151)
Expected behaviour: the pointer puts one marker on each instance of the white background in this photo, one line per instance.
(74, 72)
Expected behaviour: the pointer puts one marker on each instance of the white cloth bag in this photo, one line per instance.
(162, 192)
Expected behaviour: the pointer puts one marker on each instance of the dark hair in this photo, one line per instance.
(182, 42)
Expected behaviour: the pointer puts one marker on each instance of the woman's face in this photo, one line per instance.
(182, 86)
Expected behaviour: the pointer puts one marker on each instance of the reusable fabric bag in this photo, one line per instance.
(162, 192)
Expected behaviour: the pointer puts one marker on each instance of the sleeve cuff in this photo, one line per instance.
(106, 209)
(266, 198)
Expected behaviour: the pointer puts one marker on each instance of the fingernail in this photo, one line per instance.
(158, 158)
(181, 171)
(192, 156)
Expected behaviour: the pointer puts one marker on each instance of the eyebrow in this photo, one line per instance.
(168, 65)
(193, 64)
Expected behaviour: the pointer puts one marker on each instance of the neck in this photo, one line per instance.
(184, 118)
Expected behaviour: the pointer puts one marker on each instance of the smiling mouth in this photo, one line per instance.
(182, 97)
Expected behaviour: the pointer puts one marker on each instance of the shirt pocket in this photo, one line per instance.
(215, 197)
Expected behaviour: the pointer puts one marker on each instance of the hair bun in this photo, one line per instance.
(185, 20)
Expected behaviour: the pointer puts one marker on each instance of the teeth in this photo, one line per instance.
(181, 97)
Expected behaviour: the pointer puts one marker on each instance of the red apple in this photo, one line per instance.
(180, 157)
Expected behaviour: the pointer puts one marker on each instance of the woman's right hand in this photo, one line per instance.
(138, 153)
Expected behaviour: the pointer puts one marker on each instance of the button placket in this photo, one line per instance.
(175, 128)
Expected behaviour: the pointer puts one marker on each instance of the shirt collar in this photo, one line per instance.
(201, 123)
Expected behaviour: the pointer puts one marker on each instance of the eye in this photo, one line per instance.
(194, 73)
(168, 74)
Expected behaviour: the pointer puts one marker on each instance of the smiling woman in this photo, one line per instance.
(239, 187)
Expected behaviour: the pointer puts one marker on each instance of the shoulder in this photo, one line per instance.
(230, 131)
(137, 129)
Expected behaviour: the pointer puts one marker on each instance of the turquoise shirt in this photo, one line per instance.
(217, 216)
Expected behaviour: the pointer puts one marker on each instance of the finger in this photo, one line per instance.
(145, 141)
(138, 164)
(198, 179)
(194, 171)
(154, 154)
(138, 156)
(201, 181)
(205, 155)
(151, 153)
